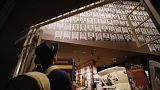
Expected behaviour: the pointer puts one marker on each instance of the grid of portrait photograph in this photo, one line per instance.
(108, 23)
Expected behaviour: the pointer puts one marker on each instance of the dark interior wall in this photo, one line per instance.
(24, 14)
(2, 2)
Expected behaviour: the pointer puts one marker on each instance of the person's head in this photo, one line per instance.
(45, 53)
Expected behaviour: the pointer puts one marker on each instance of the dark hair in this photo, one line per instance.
(45, 53)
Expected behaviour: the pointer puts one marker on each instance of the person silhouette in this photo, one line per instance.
(38, 79)
(45, 56)
(45, 53)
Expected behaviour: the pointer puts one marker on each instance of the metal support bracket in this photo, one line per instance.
(135, 27)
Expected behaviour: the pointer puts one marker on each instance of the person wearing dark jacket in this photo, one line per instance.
(45, 56)
(38, 79)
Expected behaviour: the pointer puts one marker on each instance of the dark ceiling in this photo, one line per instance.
(24, 14)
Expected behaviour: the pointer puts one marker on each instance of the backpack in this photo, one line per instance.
(31, 81)
(41, 78)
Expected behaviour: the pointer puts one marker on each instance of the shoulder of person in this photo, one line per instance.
(29, 81)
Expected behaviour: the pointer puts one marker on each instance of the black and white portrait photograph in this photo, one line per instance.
(121, 16)
(151, 47)
(89, 20)
(75, 27)
(97, 28)
(108, 15)
(117, 23)
(155, 31)
(109, 22)
(95, 15)
(103, 28)
(90, 28)
(83, 27)
(106, 37)
(83, 36)
(150, 32)
(111, 29)
(114, 16)
(91, 36)
(138, 31)
(66, 35)
(118, 30)
(125, 30)
(120, 37)
(102, 15)
(96, 20)
(157, 47)
(68, 20)
(144, 32)
(113, 37)
(119, 12)
(75, 35)
(98, 36)
(140, 38)
(58, 34)
(83, 20)
(75, 19)
(88, 14)
(147, 38)
(82, 14)
(127, 37)
(103, 21)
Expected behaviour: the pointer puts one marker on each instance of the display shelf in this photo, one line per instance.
(114, 78)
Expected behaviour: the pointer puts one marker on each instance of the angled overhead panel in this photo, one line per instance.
(105, 26)
(137, 27)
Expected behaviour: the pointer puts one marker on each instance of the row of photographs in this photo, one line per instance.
(112, 11)
(117, 8)
(108, 15)
(126, 2)
(144, 39)
(105, 19)
(91, 13)
(91, 36)
(108, 23)
(155, 47)
(144, 31)
(101, 36)
(110, 18)
(121, 6)
(98, 28)
(102, 28)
